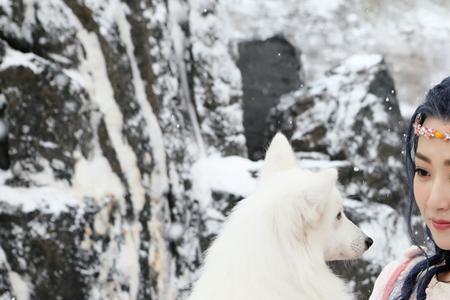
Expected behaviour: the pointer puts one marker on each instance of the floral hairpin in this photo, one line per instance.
(429, 133)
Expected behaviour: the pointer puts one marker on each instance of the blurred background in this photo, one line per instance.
(129, 129)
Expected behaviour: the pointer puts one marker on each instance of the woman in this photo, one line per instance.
(425, 276)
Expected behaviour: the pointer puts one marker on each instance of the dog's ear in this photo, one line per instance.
(318, 195)
(321, 189)
(279, 156)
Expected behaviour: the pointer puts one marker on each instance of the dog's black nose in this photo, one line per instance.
(368, 242)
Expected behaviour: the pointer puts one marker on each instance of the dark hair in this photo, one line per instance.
(436, 105)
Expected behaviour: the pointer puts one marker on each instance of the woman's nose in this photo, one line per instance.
(439, 198)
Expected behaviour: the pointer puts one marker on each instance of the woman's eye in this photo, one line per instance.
(421, 172)
(339, 216)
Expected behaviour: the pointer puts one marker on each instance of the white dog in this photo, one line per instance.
(275, 243)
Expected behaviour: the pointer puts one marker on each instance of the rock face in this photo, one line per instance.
(351, 114)
(49, 252)
(82, 105)
(4, 141)
(269, 69)
(44, 127)
(216, 81)
(109, 111)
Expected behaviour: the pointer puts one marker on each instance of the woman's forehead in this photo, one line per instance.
(437, 124)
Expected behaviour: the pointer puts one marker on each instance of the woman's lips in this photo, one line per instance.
(441, 224)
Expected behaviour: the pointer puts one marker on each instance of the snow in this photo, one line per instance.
(49, 145)
(324, 8)
(49, 14)
(411, 36)
(380, 116)
(231, 174)
(6, 7)
(14, 58)
(20, 286)
(99, 87)
(94, 178)
(384, 226)
(175, 231)
(128, 260)
(314, 164)
(51, 200)
(359, 62)
(237, 175)
(48, 196)
(60, 59)
(159, 181)
(104, 14)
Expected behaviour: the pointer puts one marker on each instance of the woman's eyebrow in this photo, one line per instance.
(423, 157)
(426, 159)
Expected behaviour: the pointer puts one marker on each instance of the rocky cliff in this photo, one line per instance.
(125, 128)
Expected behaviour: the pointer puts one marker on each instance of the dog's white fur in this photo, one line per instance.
(274, 244)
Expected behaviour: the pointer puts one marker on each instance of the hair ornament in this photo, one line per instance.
(420, 130)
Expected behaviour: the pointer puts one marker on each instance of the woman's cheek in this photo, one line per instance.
(420, 193)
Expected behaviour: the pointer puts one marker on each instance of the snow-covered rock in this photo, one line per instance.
(216, 80)
(351, 114)
(83, 132)
(412, 36)
(126, 149)
(51, 254)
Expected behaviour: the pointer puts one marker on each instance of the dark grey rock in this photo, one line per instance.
(4, 140)
(55, 42)
(45, 249)
(269, 69)
(49, 119)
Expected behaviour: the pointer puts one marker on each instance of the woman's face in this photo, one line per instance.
(432, 182)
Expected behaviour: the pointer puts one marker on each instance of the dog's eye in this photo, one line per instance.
(339, 216)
